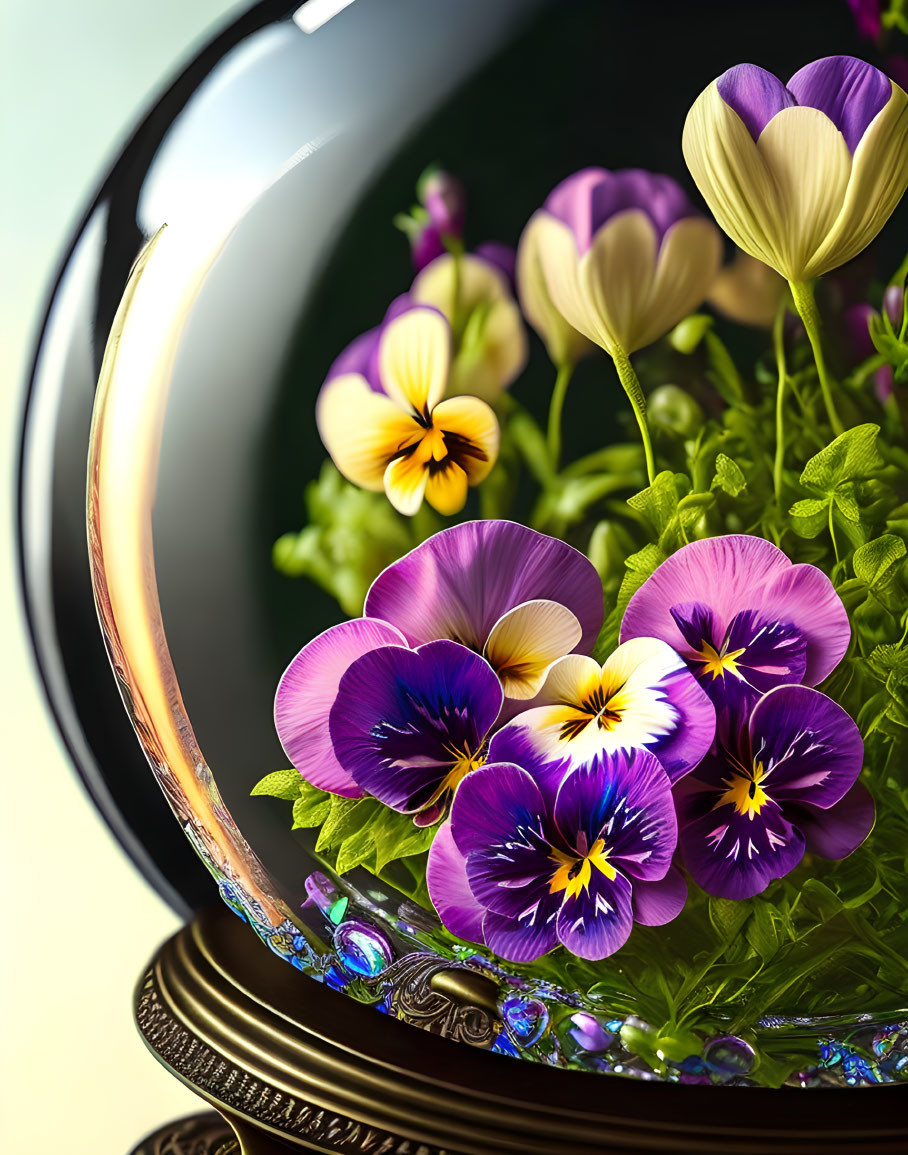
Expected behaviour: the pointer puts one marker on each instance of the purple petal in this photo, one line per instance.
(858, 342)
(867, 17)
(521, 940)
(810, 749)
(360, 356)
(402, 718)
(734, 855)
(839, 830)
(427, 246)
(656, 903)
(697, 624)
(850, 92)
(754, 94)
(461, 581)
(571, 203)
(804, 596)
(596, 921)
(626, 802)
(306, 693)
(513, 744)
(680, 751)
(449, 889)
(502, 257)
(494, 802)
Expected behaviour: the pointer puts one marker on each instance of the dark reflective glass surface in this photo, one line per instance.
(511, 95)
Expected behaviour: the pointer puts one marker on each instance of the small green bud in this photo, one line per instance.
(672, 410)
(687, 334)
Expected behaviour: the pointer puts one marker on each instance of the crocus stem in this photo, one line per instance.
(802, 292)
(778, 342)
(632, 388)
(553, 438)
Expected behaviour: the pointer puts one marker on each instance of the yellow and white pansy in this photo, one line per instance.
(801, 176)
(490, 345)
(406, 439)
(643, 697)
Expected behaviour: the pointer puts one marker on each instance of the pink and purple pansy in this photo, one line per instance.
(788, 784)
(743, 617)
(520, 598)
(642, 698)
(524, 866)
(409, 725)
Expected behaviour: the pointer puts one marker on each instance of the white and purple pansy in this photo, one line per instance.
(789, 784)
(520, 598)
(642, 698)
(524, 866)
(743, 617)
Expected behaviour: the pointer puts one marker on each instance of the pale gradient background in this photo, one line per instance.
(78, 922)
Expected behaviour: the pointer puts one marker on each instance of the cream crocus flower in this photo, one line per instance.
(801, 176)
(404, 438)
(749, 292)
(490, 348)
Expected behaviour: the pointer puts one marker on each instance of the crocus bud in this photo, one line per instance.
(490, 347)
(624, 255)
(564, 343)
(749, 292)
(437, 222)
(894, 305)
(801, 176)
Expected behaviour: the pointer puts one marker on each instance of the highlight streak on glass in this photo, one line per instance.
(314, 13)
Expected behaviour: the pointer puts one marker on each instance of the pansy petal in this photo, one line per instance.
(849, 91)
(810, 165)
(809, 747)
(514, 744)
(492, 803)
(840, 829)
(734, 855)
(362, 430)
(735, 570)
(626, 802)
(754, 94)
(525, 939)
(805, 596)
(571, 204)
(413, 358)
(471, 434)
(597, 920)
(446, 490)
(306, 693)
(462, 580)
(449, 890)
(656, 903)
(403, 719)
(405, 480)
(526, 640)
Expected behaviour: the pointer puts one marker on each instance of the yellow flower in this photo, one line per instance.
(491, 341)
(407, 440)
(624, 256)
(801, 176)
(749, 292)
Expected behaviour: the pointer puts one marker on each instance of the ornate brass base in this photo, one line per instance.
(294, 1065)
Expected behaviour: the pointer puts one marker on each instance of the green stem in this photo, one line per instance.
(778, 343)
(632, 388)
(802, 292)
(553, 438)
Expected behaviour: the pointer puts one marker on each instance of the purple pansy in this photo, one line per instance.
(743, 617)
(409, 725)
(588, 199)
(848, 91)
(526, 865)
(789, 783)
(521, 597)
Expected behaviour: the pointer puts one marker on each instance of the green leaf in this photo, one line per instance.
(281, 784)
(820, 899)
(639, 567)
(728, 916)
(723, 372)
(875, 560)
(809, 517)
(364, 832)
(729, 476)
(852, 456)
(761, 930)
(658, 502)
(311, 808)
(846, 502)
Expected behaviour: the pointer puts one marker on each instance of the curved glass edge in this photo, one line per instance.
(373, 947)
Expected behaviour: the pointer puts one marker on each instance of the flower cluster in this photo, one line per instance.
(572, 770)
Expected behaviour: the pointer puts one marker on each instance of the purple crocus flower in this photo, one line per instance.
(361, 355)
(439, 217)
(529, 862)
(519, 597)
(866, 15)
(409, 725)
(747, 814)
(800, 175)
(743, 617)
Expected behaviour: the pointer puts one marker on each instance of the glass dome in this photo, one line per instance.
(265, 205)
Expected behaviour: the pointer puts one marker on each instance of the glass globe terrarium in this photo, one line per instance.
(196, 461)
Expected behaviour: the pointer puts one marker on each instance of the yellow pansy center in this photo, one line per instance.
(463, 761)
(575, 871)
(744, 791)
(603, 706)
(719, 663)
